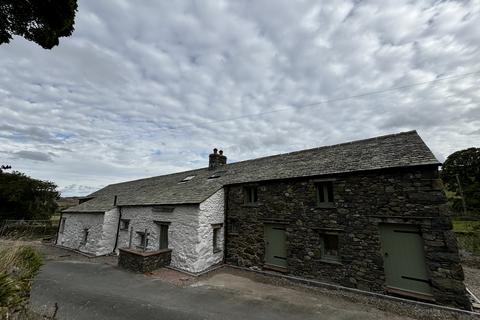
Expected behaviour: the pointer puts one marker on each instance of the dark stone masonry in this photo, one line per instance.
(363, 201)
(142, 262)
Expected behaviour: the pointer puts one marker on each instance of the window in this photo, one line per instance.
(216, 237)
(232, 226)
(62, 225)
(124, 224)
(217, 174)
(186, 179)
(84, 236)
(163, 236)
(251, 195)
(142, 240)
(329, 247)
(325, 193)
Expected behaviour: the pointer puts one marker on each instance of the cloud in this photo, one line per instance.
(147, 88)
(33, 155)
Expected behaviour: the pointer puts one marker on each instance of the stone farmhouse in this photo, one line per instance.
(368, 214)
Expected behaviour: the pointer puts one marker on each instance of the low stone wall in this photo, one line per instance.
(142, 262)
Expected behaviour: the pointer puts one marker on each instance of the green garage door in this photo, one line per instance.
(275, 248)
(404, 260)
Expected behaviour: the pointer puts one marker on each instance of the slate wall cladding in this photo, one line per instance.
(144, 261)
(363, 200)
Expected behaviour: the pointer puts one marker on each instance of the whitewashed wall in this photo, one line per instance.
(109, 232)
(182, 232)
(211, 212)
(72, 234)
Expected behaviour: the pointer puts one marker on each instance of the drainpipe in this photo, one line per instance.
(58, 228)
(118, 225)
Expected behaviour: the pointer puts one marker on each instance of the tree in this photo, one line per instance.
(22, 197)
(463, 166)
(40, 21)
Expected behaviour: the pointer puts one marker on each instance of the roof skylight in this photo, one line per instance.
(186, 179)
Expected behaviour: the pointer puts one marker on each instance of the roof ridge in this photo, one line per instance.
(330, 146)
(270, 156)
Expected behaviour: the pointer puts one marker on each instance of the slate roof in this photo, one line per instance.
(390, 151)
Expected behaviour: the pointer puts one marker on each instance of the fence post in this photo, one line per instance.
(145, 241)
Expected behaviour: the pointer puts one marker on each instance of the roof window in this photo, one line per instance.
(186, 179)
(217, 174)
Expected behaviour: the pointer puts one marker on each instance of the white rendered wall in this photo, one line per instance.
(109, 232)
(72, 234)
(182, 232)
(211, 212)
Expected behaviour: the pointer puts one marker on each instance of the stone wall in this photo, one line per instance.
(144, 261)
(362, 202)
(73, 232)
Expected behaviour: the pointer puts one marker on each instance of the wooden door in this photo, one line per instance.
(275, 248)
(404, 260)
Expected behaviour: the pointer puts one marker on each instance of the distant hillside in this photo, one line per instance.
(67, 202)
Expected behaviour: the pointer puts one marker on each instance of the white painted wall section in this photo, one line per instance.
(73, 232)
(182, 232)
(211, 213)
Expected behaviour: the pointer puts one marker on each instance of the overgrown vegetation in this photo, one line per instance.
(22, 197)
(18, 267)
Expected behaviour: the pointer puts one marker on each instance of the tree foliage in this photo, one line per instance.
(22, 197)
(465, 164)
(40, 21)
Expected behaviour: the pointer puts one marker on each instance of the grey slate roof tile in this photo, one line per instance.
(395, 150)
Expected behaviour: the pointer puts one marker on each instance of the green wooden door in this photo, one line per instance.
(404, 260)
(275, 249)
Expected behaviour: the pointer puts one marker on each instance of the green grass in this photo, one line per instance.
(466, 226)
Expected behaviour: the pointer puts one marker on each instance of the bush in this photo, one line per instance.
(18, 267)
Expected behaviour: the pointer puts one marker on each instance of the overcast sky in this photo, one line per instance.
(144, 88)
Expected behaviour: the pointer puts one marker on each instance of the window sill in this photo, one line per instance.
(335, 262)
(251, 204)
(326, 206)
(233, 233)
(123, 229)
(217, 250)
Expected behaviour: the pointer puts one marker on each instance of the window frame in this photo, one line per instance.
(324, 257)
(232, 226)
(85, 233)
(324, 189)
(216, 232)
(250, 195)
(127, 221)
(143, 239)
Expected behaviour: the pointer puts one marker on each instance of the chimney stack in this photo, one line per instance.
(216, 159)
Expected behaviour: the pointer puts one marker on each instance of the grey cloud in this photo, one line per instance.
(135, 78)
(33, 155)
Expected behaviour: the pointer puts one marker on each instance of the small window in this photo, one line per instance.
(62, 225)
(329, 247)
(163, 236)
(216, 237)
(85, 236)
(217, 174)
(232, 226)
(325, 193)
(251, 195)
(186, 179)
(142, 240)
(124, 224)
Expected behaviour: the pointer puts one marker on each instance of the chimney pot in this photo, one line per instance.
(216, 159)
